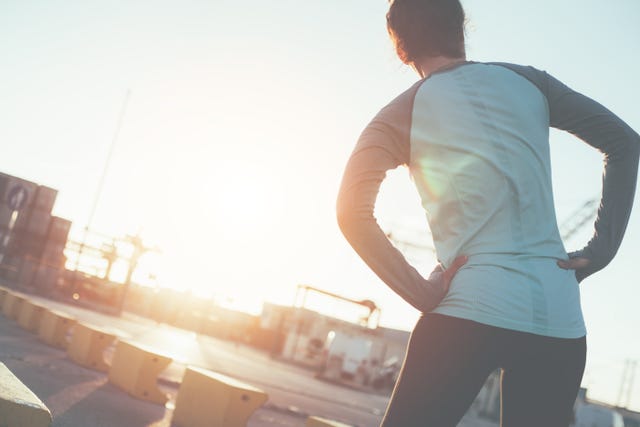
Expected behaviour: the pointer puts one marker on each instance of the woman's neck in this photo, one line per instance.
(431, 64)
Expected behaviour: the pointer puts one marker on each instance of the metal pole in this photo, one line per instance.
(138, 251)
(623, 383)
(100, 186)
(634, 365)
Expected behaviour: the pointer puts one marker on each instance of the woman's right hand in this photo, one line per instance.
(440, 278)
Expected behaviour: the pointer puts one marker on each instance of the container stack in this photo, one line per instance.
(31, 228)
(53, 259)
(16, 198)
(32, 241)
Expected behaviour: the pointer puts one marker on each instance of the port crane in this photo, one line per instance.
(568, 228)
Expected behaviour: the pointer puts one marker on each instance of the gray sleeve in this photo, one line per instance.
(383, 145)
(620, 145)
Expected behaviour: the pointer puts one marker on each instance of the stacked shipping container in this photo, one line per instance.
(32, 241)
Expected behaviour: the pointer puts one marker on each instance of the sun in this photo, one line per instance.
(220, 225)
(246, 202)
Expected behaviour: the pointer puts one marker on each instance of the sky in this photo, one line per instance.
(239, 121)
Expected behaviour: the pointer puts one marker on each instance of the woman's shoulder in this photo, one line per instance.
(535, 75)
(399, 108)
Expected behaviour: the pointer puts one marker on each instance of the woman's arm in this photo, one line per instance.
(384, 145)
(620, 145)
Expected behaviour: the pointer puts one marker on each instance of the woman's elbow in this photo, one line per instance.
(632, 148)
(344, 215)
(350, 216)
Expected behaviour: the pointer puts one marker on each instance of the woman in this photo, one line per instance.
(475, 137)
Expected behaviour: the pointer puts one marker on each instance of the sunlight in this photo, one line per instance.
(211, 221)
(251, 304)
(245, 202)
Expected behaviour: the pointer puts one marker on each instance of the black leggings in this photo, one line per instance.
(449, 359)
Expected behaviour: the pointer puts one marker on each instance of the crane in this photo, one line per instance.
(578, 218)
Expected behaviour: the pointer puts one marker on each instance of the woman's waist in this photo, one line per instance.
(507, 259)
(502, 254)
(518, 289)
(513, 269)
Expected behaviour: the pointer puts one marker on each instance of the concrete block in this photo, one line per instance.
(55, 328)
(87, 346)
(19, 406)
(3, 292)
(135, 369)
(323, 422)
(207, 399)
(30, 315)
(11, 305)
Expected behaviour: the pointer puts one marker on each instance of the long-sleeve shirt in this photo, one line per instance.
(476, 140)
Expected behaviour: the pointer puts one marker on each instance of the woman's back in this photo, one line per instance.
(480, 160)
(479, 156)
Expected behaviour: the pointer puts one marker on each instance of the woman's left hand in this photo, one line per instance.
(574, 263)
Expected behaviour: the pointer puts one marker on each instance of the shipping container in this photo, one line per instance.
(58, 230)
(22, 221)
(39, 222)
(11, 184)
(23, 243)
(5, 215)
(33, 221)
(53, 253)
(4, 183)
(45, 198)
(46, 277)
(10, 267)
(27, 272)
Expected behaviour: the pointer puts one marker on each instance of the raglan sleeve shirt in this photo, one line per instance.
(594, 124)
(382, 146)
(620, 145)
(385, 144)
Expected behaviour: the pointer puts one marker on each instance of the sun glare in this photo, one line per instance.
(246, 203)
(215, 225)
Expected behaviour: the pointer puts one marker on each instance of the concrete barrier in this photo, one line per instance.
(19, 407)
(87, 346)
(55, 328)
(135, 369)
(207, 399)
(30, 315)
(3, 292)
(11, 305)
(323, 422)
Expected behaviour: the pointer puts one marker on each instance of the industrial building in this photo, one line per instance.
(338, 350)
(32, 240)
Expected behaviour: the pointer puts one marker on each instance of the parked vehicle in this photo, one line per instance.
(385, 378)
(591, 415)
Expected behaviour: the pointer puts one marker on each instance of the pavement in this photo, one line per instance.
(80, 397)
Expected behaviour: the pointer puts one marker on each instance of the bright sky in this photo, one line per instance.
(242, 116)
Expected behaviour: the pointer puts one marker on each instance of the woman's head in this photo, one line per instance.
(426, 28)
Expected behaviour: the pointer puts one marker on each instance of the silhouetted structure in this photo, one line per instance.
(32, 241)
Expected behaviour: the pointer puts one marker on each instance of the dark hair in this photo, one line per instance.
(420, 28)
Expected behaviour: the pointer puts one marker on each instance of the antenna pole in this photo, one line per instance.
(100, 186)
